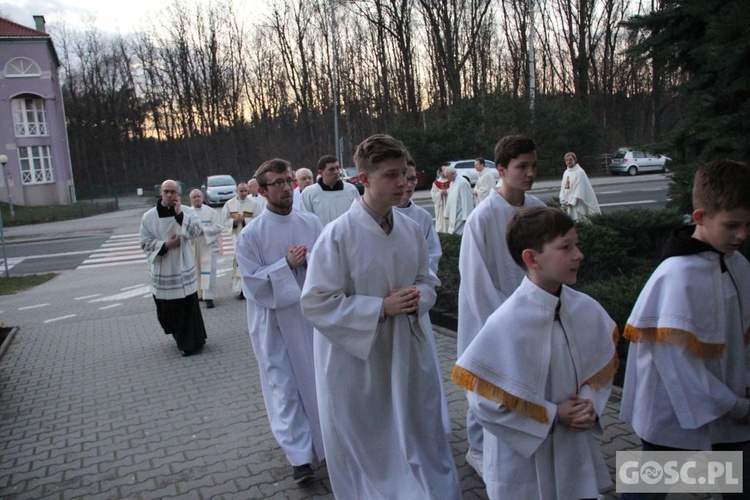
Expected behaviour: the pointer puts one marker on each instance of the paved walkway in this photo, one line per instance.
(96, 402)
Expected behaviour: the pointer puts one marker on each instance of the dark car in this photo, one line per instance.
(351, 176)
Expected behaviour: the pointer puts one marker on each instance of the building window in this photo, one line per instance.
(22, 67)
(28, 117)
(36, 165)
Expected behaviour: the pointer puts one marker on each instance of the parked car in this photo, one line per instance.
(217, 189)
(351, 176)
(466, 169)
(633, 162)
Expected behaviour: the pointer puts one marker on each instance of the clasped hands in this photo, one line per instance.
(296, 256)
(576, 414)
(402, 301)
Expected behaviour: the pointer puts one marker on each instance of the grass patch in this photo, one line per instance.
(15, 284)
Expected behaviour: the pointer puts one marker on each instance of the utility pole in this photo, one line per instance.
(532, 61)
(334, 82)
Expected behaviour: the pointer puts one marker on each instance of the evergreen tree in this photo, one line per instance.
(707, 42)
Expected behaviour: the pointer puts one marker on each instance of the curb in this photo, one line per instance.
(8, 340)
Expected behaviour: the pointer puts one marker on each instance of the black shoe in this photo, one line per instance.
(303, 474)
(185, 354)
(209, 304)
(241, 296)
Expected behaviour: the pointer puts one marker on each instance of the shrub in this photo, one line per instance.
(603, 251)
(642, 231)
(447, 292)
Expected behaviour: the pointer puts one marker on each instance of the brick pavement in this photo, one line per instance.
(95, 401)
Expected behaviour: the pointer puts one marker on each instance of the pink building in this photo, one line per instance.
(32, 129)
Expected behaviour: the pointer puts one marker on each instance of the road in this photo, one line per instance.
(112, 239)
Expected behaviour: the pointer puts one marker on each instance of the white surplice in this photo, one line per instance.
(485, 185)
(282, 338)
(171, 275)
(459, 204)
(577, 197)
(522, 364)
(378, 383)
(488, 273)
(230, 216)
(423, 218)
(328, 205)
(689, 362)
(206, 248)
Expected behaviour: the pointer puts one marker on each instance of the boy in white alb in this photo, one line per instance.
(368, 293)
(686, 382)
(540, 371)
(488, 273)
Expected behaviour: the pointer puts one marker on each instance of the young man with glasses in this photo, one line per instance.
(272, 253)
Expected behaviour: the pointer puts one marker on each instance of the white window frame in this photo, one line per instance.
(29, 118)
(36, 165)
(22, 67)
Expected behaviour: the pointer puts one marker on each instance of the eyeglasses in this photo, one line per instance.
(280, 182)
(412, 180)
(169, 191)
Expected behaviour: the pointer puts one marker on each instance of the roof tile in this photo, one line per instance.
(9, 29)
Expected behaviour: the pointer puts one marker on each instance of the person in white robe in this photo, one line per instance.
(459, 203)
(272, 254)
(206, 247)
(368, 293)
(686, 380)
(166, 236)
(330, 196)
(260, 201)
(485, 181)
(488, 273)
(235, 215)
(539, 387)
(439, 193)
(577, 197)
(304, 178)
(423, 218)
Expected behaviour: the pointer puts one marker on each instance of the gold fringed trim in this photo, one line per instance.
(674, 336)
(471, 382)
(747, 337)
(605, 375)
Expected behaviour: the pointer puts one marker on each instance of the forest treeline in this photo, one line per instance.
(203, 90)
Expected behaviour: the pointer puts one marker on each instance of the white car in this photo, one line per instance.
(466, 169)
(632, 162)
(217, 189)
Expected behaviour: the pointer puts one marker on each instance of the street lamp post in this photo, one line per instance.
(3, 161)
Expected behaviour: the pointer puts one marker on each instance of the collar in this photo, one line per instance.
(339, 186)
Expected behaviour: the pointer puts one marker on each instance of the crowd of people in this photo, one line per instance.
(339, 288)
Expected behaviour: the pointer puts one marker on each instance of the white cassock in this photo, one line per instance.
(488, 276)
(282, 338)
(423, 218)
(297, 199)
(260, 203)
(328, 205)
(206, 248)
(438, 200)
(518, 378)
(459, 204)
(577, 197)
(689, 359)
(485, 185)
(378, 384)
(231, 213)
(488, 273)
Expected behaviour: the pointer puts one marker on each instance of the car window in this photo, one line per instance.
(620, 153)
(465, 164)
(221, 181)
(638, 154)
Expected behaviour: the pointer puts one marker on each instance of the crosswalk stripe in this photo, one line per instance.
(124, 249)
